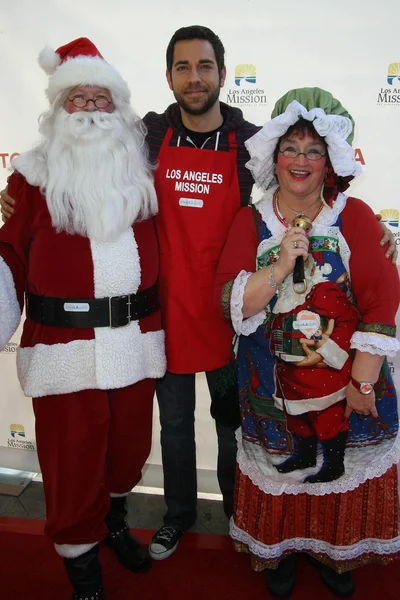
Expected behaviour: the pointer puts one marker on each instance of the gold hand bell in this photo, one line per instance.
(302, 221)
(299, 280)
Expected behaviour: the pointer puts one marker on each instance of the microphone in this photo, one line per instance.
(299, 280)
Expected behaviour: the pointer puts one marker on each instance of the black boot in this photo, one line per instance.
(304, 455)
(333, 465)
(84, 573)
(341, 584)
(280, 581)
(130, 552)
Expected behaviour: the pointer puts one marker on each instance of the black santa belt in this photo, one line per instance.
(116, 311)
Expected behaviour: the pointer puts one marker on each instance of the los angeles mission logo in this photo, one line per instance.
(196, 182)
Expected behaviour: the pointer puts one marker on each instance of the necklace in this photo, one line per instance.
(301, 212)
(282, 219)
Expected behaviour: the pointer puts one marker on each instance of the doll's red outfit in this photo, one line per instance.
(303, 391)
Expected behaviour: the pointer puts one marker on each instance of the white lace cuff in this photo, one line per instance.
(10, 313)
(334, 128)
(334, 356)
(250, 325)
(375, 343)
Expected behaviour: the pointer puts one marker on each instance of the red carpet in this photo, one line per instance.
(205, 567)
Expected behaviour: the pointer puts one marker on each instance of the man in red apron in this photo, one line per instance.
(201, 182)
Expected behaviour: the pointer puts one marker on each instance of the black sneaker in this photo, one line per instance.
(164, 542)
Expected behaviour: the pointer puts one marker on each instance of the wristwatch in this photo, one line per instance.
(364, 387)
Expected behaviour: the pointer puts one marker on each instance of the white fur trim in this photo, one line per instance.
(334, 356)
(73, 550)
(84, 70)
(116, 266)
(120, 358)
(125, 356)
(10, 313)
(116, 357)
(57, 369)
(114, 275)
(49, 60)
(339, 553)
(300, 407)
(32, 164)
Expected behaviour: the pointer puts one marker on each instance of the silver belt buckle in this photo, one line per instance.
(110, 311)
(129, 304)
(128, 317)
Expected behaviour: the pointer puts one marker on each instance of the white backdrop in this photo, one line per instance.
(351, 48)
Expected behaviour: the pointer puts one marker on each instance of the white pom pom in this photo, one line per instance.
(49, 60)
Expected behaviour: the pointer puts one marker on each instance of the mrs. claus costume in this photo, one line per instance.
(353, 519)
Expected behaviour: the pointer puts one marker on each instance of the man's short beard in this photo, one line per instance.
(199, 110)
(98, 178)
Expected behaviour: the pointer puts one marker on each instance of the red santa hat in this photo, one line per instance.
(80, 63)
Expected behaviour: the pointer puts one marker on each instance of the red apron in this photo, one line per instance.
(199, 195)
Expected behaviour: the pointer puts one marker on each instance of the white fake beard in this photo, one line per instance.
(98, 180)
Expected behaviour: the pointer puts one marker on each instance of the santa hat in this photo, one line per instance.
(80, 63)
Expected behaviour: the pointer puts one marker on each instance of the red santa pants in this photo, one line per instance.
(90, 444)
(325, 424)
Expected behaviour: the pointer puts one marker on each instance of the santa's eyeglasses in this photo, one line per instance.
(82, 102)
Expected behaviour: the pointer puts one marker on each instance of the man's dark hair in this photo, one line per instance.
(196, 32)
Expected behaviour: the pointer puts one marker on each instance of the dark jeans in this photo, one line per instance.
(176, 399)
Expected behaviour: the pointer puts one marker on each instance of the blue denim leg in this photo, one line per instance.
(176, 400)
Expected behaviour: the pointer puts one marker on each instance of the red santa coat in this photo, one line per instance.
(35, 258)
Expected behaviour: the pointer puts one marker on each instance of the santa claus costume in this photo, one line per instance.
(81, 248)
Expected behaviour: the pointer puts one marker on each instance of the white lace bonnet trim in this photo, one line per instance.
(334, 128)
